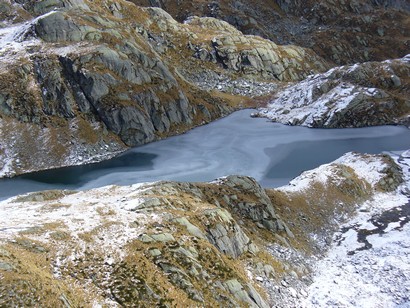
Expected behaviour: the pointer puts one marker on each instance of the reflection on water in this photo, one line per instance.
(270, 152)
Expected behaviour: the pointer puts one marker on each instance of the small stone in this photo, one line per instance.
(163, 237)
(293, 292)
(396, 80)
(146, 238)
(155, 252)
(294, 274)
(252, 248)
(4, 266)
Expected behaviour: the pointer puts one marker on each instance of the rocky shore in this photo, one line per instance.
(84, 80)
(97, 78)
(361, 95)
(227, 242)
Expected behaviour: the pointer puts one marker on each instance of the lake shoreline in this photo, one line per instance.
(236, 144)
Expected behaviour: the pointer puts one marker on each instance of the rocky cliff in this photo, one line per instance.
(341, 31)
(83, 80)
(367, 94)
(227, 243)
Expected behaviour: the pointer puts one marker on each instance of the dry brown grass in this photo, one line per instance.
(32, 283)
(313, 211)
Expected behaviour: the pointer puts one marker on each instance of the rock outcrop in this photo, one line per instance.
(188, 244)
(87, 80)
(252, 55)
(372, 93)
(341, 31)
(158, 244)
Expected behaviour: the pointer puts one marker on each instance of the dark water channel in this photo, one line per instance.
(270, 152)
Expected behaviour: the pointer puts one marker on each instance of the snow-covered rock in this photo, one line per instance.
(349, 96)
(368, 262)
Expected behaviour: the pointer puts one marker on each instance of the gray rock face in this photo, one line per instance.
(227, 236)
(217, 225)
(6, 267)
(59, 27)
(247, 295)
(352, 26)
(45, 6)
(185, 265)
(393, 176)
(123, 66)
(114, 75)
(192, 229)
(160, 237)
(220, 225)
(253, 56)
(131, 124)
(261, 212)
(56, 95)
(182, 280)
(75, 84)
(94, 75)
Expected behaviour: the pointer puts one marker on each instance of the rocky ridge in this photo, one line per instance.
(367, 94)
(227, 242)
(95, 77)
(341, 31)
(367, 264)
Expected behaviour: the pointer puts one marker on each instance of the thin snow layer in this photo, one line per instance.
(366, 167)
(11, 148)
(15, 39)
(369, 169)
(7, 154)
(17, 42)
(317, 99)
(301, 183)
(107, 210)
(368, 264)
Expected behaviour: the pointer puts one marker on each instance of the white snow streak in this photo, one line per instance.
(378, 276)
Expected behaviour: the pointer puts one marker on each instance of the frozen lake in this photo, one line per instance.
(238, 144)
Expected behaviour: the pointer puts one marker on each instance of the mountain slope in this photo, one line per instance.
(228, 242)
(83, 80)
(342, 32)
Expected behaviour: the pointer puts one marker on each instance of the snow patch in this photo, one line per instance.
(298, 104)
(16, 41)
(301, 183)
(369, 168)
(368, 264)
(78, 214)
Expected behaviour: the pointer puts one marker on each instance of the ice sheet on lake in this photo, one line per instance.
(237, 144)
